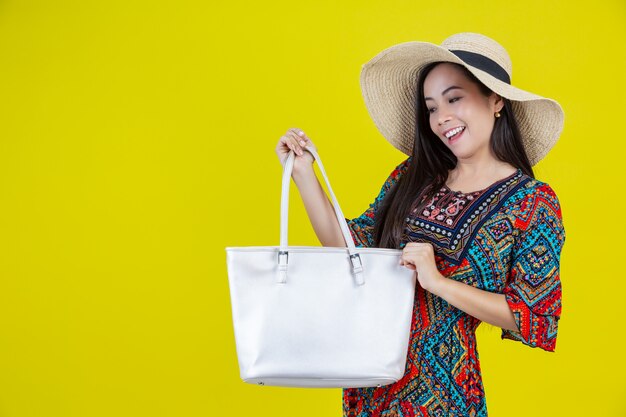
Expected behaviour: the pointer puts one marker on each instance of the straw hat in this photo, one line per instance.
(389, 85)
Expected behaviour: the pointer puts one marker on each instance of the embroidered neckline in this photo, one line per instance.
(518, 171)
(462, 216)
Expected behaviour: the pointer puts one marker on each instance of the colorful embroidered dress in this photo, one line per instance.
(505, 239)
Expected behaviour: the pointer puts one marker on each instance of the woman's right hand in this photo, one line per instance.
(295, 140)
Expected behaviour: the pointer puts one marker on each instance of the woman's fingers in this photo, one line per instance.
(291, 143)
(418, 247)
(413, 251)
(294, 139)
(287, 142)
(300, 136)
(299, 133)
(407, 264)
(299, 139)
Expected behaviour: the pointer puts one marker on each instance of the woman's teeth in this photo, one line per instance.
(454, 132)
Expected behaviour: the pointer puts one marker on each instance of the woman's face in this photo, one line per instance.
(460, 115)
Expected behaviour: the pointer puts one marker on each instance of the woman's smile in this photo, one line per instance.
(454, 134)
(456, 104)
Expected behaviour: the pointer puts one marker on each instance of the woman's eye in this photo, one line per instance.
(431, 110)
(453, 99)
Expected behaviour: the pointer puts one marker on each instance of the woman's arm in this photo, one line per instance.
(316, 202)
(489, 307)
(318, 207)
(486, 306)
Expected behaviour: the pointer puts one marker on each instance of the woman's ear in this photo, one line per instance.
(498, 102)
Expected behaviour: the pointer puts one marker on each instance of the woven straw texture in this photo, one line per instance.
(389, 86)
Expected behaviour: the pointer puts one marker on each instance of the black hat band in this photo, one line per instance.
(481, 62)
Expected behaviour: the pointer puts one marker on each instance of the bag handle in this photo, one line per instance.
(283, 253)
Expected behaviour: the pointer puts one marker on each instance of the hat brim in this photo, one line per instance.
(389, 87)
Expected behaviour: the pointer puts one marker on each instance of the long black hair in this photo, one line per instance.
(431, 160)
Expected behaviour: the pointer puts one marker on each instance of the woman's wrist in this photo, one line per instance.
(439, 285)
(303, 172)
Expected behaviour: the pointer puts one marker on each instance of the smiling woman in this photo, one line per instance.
(461, 113)
(454, 102)
(482, 234)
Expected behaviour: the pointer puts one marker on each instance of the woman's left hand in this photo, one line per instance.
(421, 258)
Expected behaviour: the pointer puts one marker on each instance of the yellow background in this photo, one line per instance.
(137, 142)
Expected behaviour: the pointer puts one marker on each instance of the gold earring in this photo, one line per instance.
(497, 114)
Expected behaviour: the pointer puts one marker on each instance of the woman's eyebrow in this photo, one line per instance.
(445, 91)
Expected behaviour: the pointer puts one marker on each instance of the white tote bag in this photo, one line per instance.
(319, 316)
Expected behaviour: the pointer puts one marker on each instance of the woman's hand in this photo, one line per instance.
(420, 257)
(295, 140)
(486, 306)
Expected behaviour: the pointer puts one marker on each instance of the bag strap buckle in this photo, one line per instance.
(357, 268)
(283, 261)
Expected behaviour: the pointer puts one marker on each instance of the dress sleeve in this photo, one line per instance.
(533, 289)
(362, 227)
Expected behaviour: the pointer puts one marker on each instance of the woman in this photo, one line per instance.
(483, 235)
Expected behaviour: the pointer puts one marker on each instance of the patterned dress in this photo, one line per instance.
(504, 239)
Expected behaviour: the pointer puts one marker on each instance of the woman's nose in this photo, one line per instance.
(443, 119)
